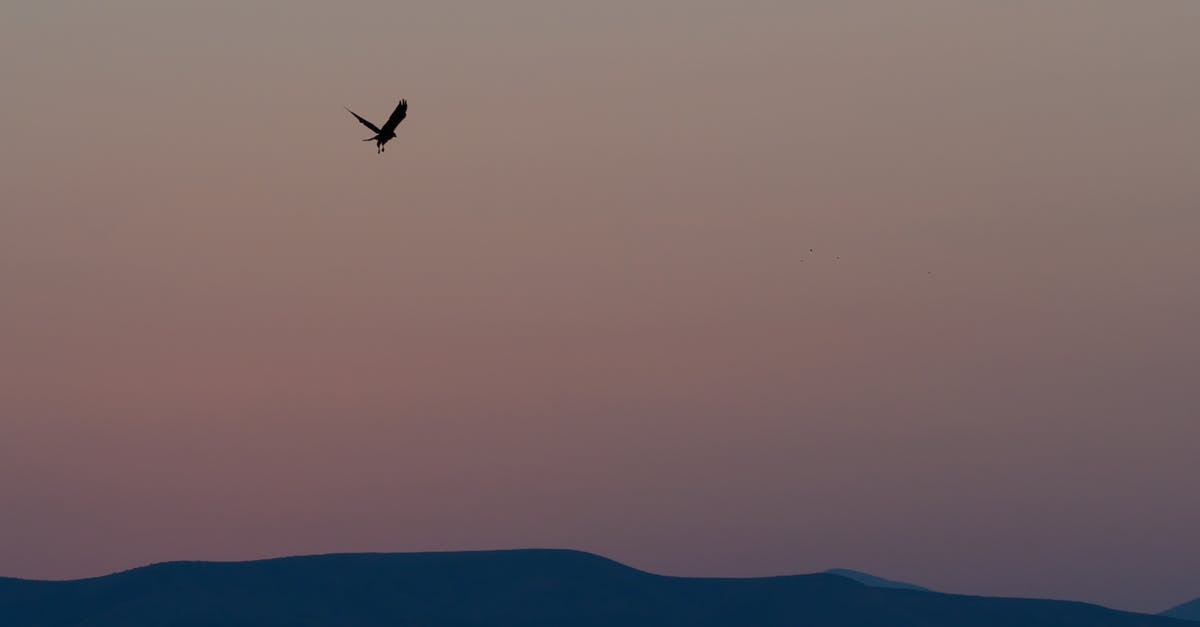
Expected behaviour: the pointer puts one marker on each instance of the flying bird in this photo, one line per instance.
(388, 130)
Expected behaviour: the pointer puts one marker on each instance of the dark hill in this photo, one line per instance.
(529, 588)
(873, 581)
(1187, 611)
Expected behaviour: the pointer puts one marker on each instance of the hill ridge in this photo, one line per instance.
(513, 588)
(1186, 611)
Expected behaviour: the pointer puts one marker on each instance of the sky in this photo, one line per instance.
(710, 288)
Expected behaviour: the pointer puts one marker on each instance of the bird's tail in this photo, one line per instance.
(370, 139)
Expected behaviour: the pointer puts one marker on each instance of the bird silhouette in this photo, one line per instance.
(388, 130)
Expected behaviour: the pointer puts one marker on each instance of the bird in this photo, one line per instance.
(388, 130)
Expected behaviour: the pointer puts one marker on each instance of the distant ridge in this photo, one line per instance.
(1187, 611)
(873, 581)
(523, 588)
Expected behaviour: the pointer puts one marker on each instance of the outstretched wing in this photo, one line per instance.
(396, 117)
(365, 122)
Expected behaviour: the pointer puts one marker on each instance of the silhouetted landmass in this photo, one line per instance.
(873, 581)
(1187, 611)
(529, 588)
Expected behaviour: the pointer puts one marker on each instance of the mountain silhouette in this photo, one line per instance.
(873, 581)
(523, 588)
(1187, 611)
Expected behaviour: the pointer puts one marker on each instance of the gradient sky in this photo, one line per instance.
(574, 305)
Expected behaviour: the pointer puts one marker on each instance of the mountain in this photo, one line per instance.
(526, 588)
(873, 581)
(1187, 611)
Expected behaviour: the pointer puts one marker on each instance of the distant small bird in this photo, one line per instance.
(388, 131)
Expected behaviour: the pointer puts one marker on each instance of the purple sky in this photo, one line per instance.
(574, 305)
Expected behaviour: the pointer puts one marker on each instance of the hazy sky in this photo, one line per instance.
(574, 305)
